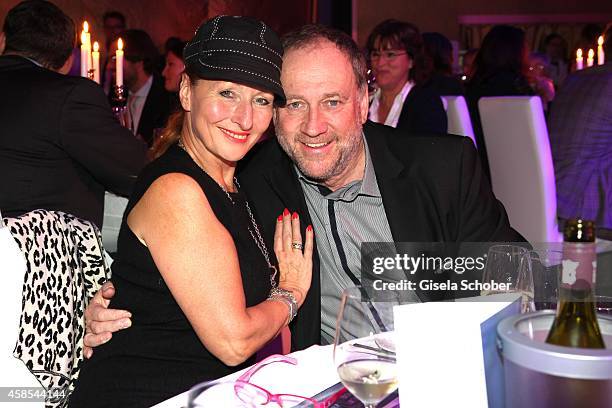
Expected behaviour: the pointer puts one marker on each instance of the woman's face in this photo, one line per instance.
(172, 72)
(225, 118)
(390, 65)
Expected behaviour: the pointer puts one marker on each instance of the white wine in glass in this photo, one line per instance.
(364, 347)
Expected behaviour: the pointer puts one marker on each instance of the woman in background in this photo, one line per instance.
(499, 69)
(398, 65)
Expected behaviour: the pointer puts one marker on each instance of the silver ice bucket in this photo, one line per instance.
(542, 375)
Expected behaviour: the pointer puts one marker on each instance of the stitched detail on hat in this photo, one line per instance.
(241, 70)
(244, 41)
(263, 30)
(247, 53)
(215, 26)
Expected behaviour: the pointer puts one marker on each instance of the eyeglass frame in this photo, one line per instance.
(244, 381)
(389, 55)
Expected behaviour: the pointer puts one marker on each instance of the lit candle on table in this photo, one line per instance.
(590, 58)
(119, 62)
(601, 59)
(85, 49)
(579, 60)
(95, 56)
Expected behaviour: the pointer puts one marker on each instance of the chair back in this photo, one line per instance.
(114, 207)
(458, 116)
(521, 164)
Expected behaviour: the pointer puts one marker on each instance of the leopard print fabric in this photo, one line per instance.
(65, 268)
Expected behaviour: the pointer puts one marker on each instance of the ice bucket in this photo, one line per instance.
(542, 375)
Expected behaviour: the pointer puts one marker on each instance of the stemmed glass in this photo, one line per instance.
(364, 346)
(511, 265)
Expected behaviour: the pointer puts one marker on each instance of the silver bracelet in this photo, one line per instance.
(286, 297)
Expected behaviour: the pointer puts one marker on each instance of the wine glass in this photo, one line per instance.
(510, 265)
(364, 346)
(546, 265)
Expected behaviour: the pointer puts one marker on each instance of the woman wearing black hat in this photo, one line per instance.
(192, 266)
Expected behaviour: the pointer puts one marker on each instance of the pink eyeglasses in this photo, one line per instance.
(247, 394)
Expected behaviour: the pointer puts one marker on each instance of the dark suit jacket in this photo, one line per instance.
(422, 113)
(433, 190)
(60, 145)
(155, 111)
(580, 131)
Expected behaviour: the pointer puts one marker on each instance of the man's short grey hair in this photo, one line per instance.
(312, 33)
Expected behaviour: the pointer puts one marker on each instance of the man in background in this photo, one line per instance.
(114, 24)
(60, 145)
(149, 103)
(580, 130)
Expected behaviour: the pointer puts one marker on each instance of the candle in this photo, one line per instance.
(119, 62)
(95, 56)
(579, 60)
(600, 52)
(83, 56)
(85, 50)
(590, 58)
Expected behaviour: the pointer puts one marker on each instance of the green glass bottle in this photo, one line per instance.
(575, 324)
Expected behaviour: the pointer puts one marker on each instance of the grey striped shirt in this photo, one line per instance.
(342, 220)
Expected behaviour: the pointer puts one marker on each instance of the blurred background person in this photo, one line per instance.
(467, 63)
(538, 76)
(60, 145)
(499, 69)
(401, 99)
(149, 103)
(555, 49)
(439, 53)
(114, 23)
(173, 67)
(580, 131)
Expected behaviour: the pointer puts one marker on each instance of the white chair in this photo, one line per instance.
(458, 116)
(14, 373)
(114, 207)
(521, 164)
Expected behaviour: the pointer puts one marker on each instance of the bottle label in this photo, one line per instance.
(579, 265)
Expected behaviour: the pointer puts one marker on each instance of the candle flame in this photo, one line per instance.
(591, 53)
(579, 53)
(600, 40)
(120, 44)
(85, 27)
(96, 46)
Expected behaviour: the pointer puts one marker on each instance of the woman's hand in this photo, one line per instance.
(295, 263)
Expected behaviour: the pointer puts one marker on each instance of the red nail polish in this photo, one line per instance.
(280, 218)
(294, 216)
(286, 212)
(309, 228)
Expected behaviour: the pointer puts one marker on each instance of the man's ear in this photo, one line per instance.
(2, 42)
(185, 93)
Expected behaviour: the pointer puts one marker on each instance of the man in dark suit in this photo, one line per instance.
(60, 145)
(580, 130)
(353, 183)
(149, 103)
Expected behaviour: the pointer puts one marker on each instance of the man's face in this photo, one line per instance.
(130, 73)
(320, 126)
(112, 28)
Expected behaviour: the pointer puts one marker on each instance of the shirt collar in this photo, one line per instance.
(367, 186)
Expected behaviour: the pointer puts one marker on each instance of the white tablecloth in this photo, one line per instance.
(314, 372)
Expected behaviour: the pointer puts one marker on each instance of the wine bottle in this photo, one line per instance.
(575, 323)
